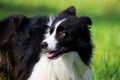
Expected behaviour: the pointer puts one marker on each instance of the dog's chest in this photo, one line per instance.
(67, 67)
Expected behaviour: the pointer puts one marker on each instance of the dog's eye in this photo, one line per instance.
(61, 34)
(51, 30)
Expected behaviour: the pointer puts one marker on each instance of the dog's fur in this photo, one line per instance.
(46, 48)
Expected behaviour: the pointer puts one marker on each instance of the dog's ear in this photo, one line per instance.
(8, 28)
(85, 20)
(71, 11)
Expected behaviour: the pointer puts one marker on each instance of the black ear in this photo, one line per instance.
(85, 20)
(71, 11)
(8, 28)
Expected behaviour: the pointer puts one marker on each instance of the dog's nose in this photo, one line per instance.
(44, 45)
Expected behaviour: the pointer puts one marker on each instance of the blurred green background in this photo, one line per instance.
(105, 15)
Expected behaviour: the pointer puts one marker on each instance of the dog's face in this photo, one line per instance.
(67, 33)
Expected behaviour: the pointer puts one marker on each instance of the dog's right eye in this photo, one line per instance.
(51, 30)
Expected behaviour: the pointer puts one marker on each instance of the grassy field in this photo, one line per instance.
(106, 63)
(105, 30)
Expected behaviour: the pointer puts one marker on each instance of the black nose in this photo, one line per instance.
(44, 45)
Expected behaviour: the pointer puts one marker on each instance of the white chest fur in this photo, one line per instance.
(67, 67)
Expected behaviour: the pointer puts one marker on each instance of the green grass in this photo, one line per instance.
(106, 63)
(105, 15)
(3, 79)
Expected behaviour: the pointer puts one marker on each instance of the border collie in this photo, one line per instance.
(46, 48)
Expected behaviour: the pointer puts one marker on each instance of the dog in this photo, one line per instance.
(46, 48)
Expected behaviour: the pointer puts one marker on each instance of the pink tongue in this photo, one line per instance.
(49, 54)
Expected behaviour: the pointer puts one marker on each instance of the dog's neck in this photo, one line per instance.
(69, 66)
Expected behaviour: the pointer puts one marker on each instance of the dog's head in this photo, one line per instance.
(67, 33)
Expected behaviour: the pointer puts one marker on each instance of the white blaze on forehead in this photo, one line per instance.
(58, 23)
(51, 41)
(50, 21)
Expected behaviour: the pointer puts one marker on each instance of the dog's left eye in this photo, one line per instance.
(61, 34)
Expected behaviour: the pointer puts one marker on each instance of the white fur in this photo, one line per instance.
(68, 66)
(50, 21)
(51, 41)
(47, 33)
(49, 24)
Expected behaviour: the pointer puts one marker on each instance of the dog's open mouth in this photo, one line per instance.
(56, 53)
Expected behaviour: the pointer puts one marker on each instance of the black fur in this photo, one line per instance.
(20, 39)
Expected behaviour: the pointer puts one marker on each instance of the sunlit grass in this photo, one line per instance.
(109, 8)
(106, 63)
